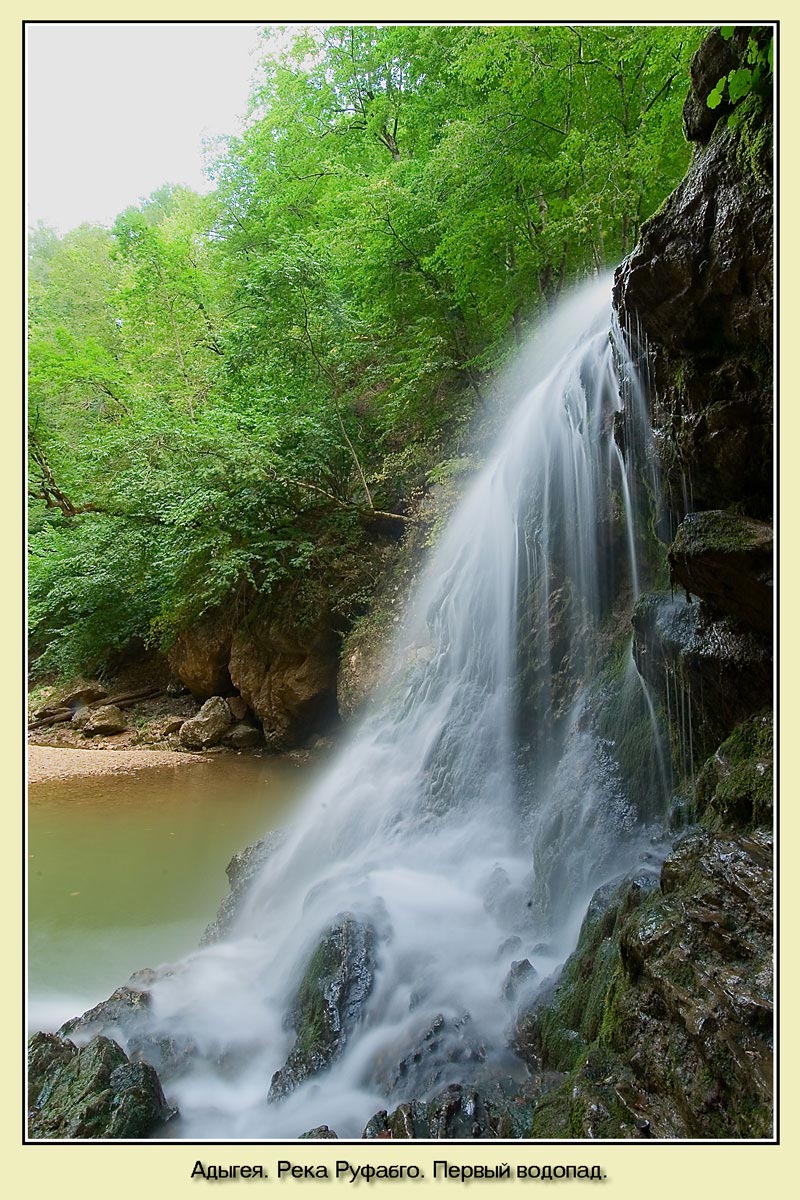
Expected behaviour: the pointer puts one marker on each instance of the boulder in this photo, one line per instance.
(286, 680)
(499, 1108)
(105, 720)
(127, 1017)
(94, 1092)
(662, 1017)
(321, 1132)
(208, 727)
(521, 977)
(726, 560)
(121, 1012)
(238, 707)
(243, 737)
(439, 1050)
(330, 1001)
(199, 657)
(242, 870)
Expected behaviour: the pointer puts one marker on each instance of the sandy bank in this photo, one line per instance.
(51, 762)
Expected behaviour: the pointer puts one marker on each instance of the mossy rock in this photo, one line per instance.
(94, 1092)
(734, 789)
(330, 1001)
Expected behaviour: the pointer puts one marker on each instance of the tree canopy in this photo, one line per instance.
(229, 393)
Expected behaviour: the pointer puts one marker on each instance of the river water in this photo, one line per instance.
(126, 871)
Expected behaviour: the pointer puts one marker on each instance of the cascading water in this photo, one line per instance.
(470, 817)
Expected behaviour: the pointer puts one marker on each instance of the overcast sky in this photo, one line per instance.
(116, 110)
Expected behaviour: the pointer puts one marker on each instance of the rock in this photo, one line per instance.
(664, 1024)
(321, 1131)
(94, 1092)
(715, 58)
(287, 681)
(126, 1016)
(509, 946)
(699, 288)
(238, 707)
(521, 978)
(243, 737)
(200, 655)
(330, 1001)
(75, 695)
(734, 789)
(726, 560)
(119, 1013)
(431, 1057)
(708, 674)
(80, 717)
(243, 868)
(500, 1110)
(163, 727)
(208, 727)
(105, 720)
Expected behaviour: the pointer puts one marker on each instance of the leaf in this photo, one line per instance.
(740, 84)
(715, 97)
(726, 32)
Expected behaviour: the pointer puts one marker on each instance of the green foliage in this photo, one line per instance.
(224, 388)
(754, 77)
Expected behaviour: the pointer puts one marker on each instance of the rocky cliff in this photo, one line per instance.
(662, 1018)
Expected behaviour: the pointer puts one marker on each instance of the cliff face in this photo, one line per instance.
(662, 1017)
(698, 287)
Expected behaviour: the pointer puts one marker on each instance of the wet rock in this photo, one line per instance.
(509, 946)
(200, 657)
(664, 1027)
(443, 1049)
(734, 789)
(708, 673)
(208, 727)
(567, 1014)
(502, 1110)
(287, 680)
(698, 286)
(330, 1001)
(94, 1092)
(521, 978)
(126, 1016)
(715, 58)
(726, 560)
(321, 1132)
(120, 1012)
(243, 737)
(105, 720)
(242, 870)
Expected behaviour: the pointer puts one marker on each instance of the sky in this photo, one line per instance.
(114, 111)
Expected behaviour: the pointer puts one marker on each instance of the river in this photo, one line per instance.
(126, 871)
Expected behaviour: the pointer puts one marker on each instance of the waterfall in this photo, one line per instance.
(511, 766)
